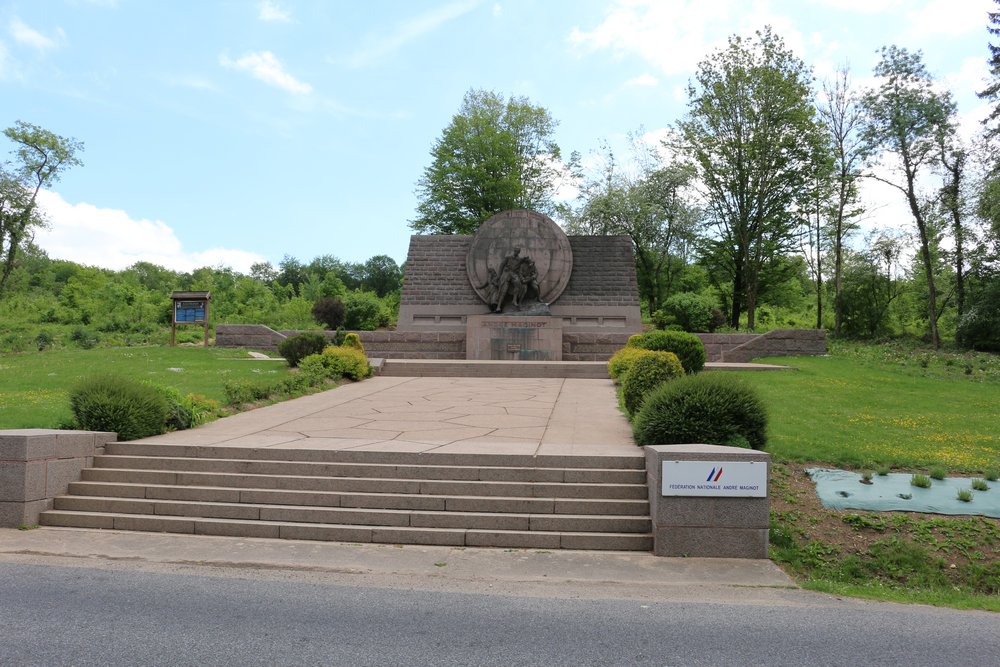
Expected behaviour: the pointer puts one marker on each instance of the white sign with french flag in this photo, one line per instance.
(735, 479)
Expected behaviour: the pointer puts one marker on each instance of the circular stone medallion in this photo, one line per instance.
(538, 237)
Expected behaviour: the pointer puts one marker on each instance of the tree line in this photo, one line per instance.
(753, 194)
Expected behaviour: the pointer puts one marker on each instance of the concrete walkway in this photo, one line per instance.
(530, 572)
(520, 416)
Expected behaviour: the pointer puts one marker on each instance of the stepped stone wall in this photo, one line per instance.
(577, 346)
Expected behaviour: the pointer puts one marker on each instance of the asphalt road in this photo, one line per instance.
(82, 616)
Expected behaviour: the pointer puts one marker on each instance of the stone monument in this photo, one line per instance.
(521, 289)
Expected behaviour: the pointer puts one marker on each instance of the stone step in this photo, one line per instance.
(350, 533)
(373, 470)
(584, 506)
(221, 451)
(369, 485)
(357, 516)
(494, 369)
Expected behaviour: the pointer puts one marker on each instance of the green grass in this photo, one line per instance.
(34, 386)
(878, 590)
(859, 408)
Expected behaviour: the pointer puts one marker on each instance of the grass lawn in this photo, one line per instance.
(861, 408)
(34, 386)
(867, 406)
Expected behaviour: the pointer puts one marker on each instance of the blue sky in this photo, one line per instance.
(234, 131)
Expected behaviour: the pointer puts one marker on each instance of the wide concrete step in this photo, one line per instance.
(478, 520)
(368, 485)
(373, 470)
(494, 369)
(440, 503)
(538, 539)
(221, 451)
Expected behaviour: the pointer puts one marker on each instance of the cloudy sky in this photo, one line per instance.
(224, 132)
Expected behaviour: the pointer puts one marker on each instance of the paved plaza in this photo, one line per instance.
(514, 416)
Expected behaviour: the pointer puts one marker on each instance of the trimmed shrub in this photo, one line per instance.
(690, 310)
(347, 362)
(114, 403)
(621, 361)
(353, 341)
(646, 372)
(710, 408)
(295, 348)
(688, 347)
(329, 311)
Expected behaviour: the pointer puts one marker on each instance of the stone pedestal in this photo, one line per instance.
(513, 338)
(37, 465)
(708, 526)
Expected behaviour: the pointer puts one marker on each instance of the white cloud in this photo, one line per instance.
(497, 9)
(948, 18)
(273, 12)
(409, 31)
(645, 80)
(25, 34)
(110, 238)
(264, 66)
(675, 36)
(861, 6)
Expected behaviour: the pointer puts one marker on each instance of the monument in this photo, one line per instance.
(521, 289)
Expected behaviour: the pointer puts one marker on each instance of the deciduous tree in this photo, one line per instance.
(496, 154)
(906, 118)
(40, 157)
(751, 132)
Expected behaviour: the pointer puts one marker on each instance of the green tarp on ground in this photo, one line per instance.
(843, 490)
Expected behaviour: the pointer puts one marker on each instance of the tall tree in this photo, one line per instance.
(40, 157)
(652, 204)
(906, 119)
(992, 91)
(496, 154)
(841, 116)
(752, 134)
(953, 163)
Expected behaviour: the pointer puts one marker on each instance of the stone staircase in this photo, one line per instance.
(493, 369)
(570, 502)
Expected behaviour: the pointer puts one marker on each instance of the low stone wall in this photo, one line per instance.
(37, 464)
(575, 346)
(592, 346)
(255, 336)
(740, 348)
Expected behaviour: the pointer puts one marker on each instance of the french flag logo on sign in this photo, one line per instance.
(714, 476)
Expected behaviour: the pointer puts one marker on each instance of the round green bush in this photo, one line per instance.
(688, 347)
(621, 361)
(348, 362)
(114, 403)
(296, 348)
(646, 372)
(711, 408)
(353, 340)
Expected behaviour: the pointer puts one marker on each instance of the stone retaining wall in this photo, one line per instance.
(576, 346)
(38, 464)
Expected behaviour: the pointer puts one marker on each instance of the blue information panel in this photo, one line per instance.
(189, 311)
